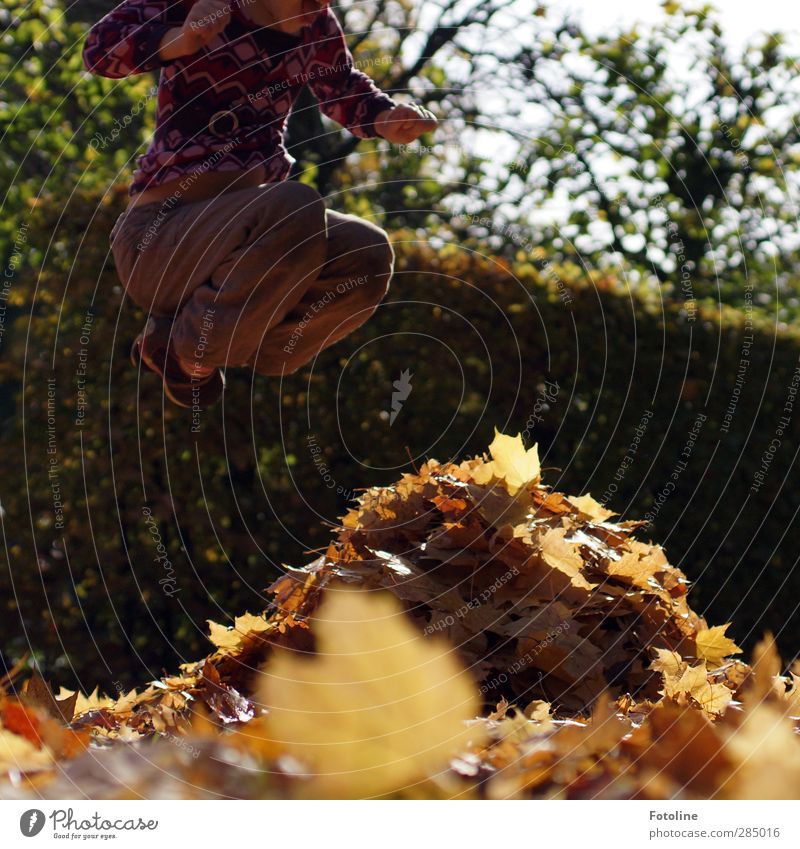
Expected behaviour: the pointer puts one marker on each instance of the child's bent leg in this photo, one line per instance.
(227, 268)
(258, 282)
(353, 281)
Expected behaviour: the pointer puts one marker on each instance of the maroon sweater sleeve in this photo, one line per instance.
(346, 95)
(126, 40)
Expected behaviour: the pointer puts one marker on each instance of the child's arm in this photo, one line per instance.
(143, 35)
(347, 95)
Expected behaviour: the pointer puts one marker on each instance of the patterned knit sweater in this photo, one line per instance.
(225, 107)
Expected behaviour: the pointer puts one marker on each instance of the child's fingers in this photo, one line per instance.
(210, 17)
(407, 122)
(420, 119)
(419, 125)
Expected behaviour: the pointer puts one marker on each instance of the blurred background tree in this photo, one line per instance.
(673, 155)
(61, 128)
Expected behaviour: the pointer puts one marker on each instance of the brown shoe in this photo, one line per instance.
(153, 348)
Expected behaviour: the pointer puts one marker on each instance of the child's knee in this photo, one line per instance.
(379, 264)
(301, 207)
(383, 253)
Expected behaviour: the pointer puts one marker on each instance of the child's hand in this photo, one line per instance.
(206, 19)
(405, 123)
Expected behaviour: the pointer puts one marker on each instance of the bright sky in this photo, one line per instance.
(740, 18)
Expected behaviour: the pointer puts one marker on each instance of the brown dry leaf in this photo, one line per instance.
(448, 504)
(41, 730)
(227, 704)
(248, 623)
(291, 593)
(712, 698)
(379, 707)
(600, 736)
(498, 507)
(652, 552)
(764, 681)
(792, 695)
(630, 567)
(591, 508)
(36, 692)
(22, 720)
(551, 502)
(680, 744)
(713, 646)
(565, 557)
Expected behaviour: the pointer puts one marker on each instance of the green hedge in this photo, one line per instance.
(258, 485)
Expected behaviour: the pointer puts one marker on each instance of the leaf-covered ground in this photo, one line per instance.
(469, 633)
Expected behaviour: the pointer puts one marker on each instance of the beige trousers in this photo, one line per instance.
(265, 277)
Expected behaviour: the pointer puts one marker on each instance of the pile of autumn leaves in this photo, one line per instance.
(469, 633)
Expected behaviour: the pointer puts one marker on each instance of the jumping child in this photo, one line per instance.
(235, 264)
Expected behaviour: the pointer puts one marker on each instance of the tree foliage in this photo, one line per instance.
(673, 153)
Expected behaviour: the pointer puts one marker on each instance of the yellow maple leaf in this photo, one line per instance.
(682, 680)
(668, 663)
(247, 623)
(538, 711)
(377, 708)
(511, 462)
(222, 636)
(126, 701)
(83, 704)
(230, 638)
(713, 646)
